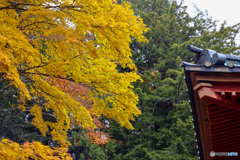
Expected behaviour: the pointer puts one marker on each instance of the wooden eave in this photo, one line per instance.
(215, 100)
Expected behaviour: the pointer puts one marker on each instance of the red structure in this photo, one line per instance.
(215, 99)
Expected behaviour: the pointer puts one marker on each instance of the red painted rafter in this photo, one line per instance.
(222, 134)
(223, 110)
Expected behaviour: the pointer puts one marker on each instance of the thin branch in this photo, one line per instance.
(11, 7)
(16, 6)
(5, 87)
(40, 65)
(73, 2)
(42, 22)
(43, 113)
(48, 75)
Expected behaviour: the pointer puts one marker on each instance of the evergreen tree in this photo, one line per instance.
(82, 147)
(15, 123)
(165, 128)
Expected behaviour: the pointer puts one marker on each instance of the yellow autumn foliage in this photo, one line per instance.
(78, 40)
(35, 150)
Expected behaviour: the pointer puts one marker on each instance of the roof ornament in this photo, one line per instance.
(208, 58)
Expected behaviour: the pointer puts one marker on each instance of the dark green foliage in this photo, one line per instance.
(16, 124)
(85, 150)
(165, 128)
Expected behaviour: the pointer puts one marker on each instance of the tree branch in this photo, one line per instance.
(5, 87)
(16, 6)
(40, 65)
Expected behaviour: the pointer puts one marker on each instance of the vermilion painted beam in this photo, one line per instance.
(225, 145)
(220, 128)
(223, 95)
(224, 138)
(224, 113)
(233, 148)
(234, 96)
(223, 122)
(224, 132)
(206, 93)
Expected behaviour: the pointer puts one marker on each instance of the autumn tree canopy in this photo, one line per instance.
(81, 41)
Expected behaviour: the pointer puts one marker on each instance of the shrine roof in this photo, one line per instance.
(217, 75)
